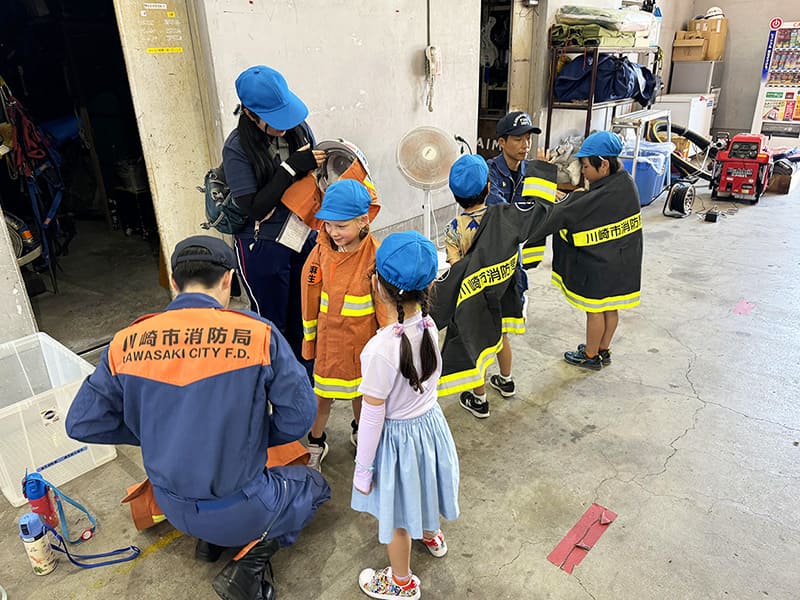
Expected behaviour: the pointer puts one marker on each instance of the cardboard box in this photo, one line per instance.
(689, 46)
(715, 31)
(783, 184)
(715, 25)
(716, 44)
(682, 145)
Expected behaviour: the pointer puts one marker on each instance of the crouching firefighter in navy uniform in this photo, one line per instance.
(205, 391)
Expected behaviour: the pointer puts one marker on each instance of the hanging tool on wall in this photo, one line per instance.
(433, 64)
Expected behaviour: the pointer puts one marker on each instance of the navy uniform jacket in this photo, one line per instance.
(193, 386)
(504, 190)
(597, 252)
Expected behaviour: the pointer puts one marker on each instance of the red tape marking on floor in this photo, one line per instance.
(574, 546)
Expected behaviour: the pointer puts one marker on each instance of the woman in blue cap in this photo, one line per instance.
(406, 472)
(597, 252)
(270, 149)
(339, 315)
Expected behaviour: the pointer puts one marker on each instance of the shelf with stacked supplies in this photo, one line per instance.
(652, 53)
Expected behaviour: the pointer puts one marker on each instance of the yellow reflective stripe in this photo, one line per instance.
(487, 277)
(323, 303)
(331, 387)
(357, 306)
(532, 255)
(368, 183)
(539, 188)
(471, 378)
(606, 233)
(594, 304)
(514, 325)
(309, 329)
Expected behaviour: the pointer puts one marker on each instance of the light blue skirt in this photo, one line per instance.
(416, 476)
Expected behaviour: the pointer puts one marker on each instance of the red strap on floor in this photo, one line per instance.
(571, 550)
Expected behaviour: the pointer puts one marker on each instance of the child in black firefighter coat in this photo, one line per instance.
(597, 252)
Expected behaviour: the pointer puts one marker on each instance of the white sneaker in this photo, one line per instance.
(379, 584)
(436, 546)
(317, 455)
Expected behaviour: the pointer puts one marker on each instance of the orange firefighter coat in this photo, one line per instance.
(304, 198)
(339, 314)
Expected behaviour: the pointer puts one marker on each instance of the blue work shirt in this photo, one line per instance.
(203, 390)
(504, 186)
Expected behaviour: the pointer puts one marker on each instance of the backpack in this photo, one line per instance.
(617, 78)
(222, 212)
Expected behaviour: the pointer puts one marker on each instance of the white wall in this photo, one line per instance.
(748, 28)
(358, 65)
(676, 13)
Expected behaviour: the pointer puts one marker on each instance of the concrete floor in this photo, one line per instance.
(106, 281)
(691, 436)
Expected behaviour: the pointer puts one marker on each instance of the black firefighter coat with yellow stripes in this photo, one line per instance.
(477, 299)
(597, 251)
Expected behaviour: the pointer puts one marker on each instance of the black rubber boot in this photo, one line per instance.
(243, 579)
(207, 552)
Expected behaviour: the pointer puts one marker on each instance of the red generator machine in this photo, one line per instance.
(743, 169)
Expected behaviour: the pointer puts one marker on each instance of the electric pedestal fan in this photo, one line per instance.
(424, 156)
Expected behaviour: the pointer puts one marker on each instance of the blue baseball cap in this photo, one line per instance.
(265, 92)
(407, 260)
(600, 143)
(344, 200)
(468, 176)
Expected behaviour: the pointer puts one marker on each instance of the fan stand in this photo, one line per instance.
(427, 216)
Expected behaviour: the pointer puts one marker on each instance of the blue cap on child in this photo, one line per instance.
(600, 143)
(468, 176)
(344, 200)
(407, 260)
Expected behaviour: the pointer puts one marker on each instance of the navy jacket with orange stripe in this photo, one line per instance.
(203, 390)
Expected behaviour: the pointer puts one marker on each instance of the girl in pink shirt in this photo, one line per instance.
(406, 472)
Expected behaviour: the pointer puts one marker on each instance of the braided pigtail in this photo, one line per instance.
(428, 349)
(406, 355)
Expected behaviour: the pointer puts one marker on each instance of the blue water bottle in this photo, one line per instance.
(37, 544)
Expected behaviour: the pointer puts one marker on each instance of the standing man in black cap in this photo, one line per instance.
(506, 174)
(507, 169)
(205, 391)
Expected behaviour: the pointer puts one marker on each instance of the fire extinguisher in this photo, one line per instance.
(40, 497)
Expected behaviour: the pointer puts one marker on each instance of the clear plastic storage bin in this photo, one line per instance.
(38, 380)
(652, 168)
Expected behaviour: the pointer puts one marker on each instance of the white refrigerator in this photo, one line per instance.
(694, 111)
(777, 111)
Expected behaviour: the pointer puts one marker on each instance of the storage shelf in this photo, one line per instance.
(606, 49)
(584, 105)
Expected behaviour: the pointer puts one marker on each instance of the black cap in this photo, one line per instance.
(220, 254)
(516, 123)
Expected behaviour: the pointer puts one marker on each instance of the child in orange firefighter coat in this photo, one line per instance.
(339, 316)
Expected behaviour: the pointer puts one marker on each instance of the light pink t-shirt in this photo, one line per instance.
(380, 371)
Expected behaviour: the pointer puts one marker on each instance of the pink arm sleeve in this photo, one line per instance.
(370, 427)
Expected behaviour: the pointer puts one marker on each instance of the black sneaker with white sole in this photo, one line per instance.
(579, 359)
(479, 409)
(605, 355)
(506, 388)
